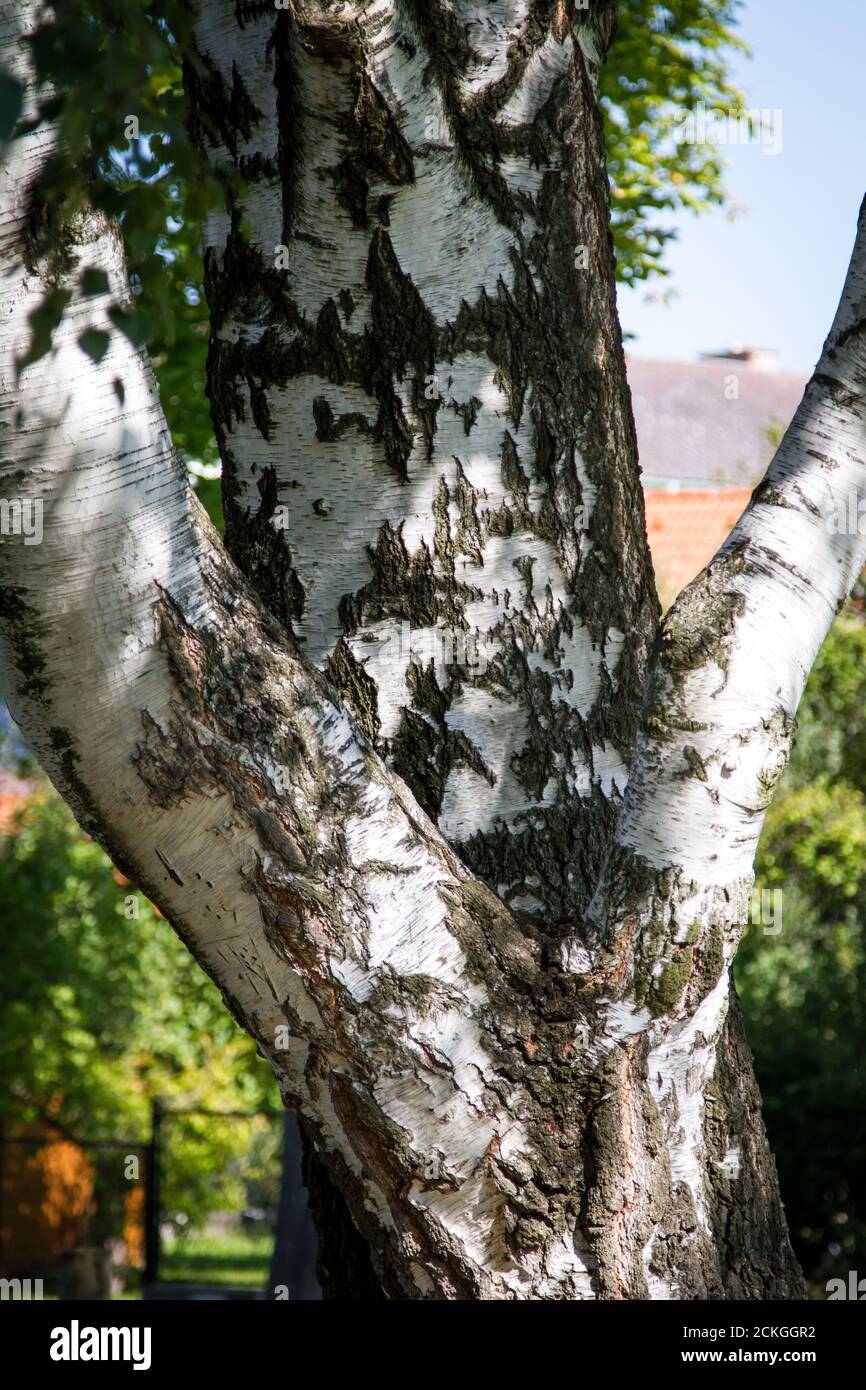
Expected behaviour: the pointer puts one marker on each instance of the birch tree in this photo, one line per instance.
(463, 834)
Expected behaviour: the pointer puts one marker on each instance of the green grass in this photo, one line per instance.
(240, 1258)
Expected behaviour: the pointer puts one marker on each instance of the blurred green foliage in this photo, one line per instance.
(804, 990)
(102, 1012)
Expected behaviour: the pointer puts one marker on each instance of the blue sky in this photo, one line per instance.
(772, 278)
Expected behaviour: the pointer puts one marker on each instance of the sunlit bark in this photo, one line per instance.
(370, 760)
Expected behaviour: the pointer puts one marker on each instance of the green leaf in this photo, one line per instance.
(94, 342)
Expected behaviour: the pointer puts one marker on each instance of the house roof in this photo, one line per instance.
(707, 421)
(686, 528)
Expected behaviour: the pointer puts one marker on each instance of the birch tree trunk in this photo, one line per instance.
(371, 759)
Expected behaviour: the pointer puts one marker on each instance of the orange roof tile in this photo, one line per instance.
(686, 528)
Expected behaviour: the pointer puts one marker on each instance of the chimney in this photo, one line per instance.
(758, 359)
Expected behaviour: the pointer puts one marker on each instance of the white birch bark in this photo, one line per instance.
(512, 1105)
(449, 513)
(732, 661)
(219, 771)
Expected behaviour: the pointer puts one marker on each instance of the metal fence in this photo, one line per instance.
(61, 1197)
(193, 1208)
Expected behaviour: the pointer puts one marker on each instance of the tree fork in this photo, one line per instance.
(524, 1084)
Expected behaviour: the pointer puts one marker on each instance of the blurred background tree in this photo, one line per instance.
(667, 59)
(804, 990)
(103, 1011)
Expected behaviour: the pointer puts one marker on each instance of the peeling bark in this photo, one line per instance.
(432, 385)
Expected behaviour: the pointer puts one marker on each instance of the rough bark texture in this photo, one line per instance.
(470, 569)
(513, 1050)
(431, 388)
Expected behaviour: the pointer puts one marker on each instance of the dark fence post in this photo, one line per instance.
(293, 1266)
(152, 1221)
